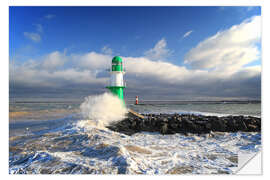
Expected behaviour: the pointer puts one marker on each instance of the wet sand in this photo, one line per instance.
(18, 116)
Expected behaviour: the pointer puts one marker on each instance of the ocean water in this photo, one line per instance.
(217, 109)
(56, 137)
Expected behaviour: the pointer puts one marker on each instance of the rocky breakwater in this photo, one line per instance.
(186, 123)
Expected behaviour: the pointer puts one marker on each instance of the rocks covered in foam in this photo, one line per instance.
(186, 123)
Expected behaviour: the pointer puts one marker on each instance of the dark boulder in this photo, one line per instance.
(164, 129)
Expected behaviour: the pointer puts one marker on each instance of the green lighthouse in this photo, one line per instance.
(117, 81)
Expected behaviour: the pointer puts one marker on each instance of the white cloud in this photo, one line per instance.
(159, 51)
(32, 36)
(92, 60)
(54, 60)
(162, 71)
(106, 50)
(49, 16)
(228, 50)
(187, 34)
(51, 72)
(44, 78)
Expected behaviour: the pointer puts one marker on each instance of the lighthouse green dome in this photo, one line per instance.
(117, 59)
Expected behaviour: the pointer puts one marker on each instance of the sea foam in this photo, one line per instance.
(101, 110)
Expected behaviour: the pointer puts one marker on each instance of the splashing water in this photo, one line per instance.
(101, 110)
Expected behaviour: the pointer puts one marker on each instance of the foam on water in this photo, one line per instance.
(101, 151)
(101, 110)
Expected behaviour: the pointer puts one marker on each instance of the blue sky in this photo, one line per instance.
(161, 34)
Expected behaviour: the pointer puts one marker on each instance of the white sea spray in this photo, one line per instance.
(101, 110)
